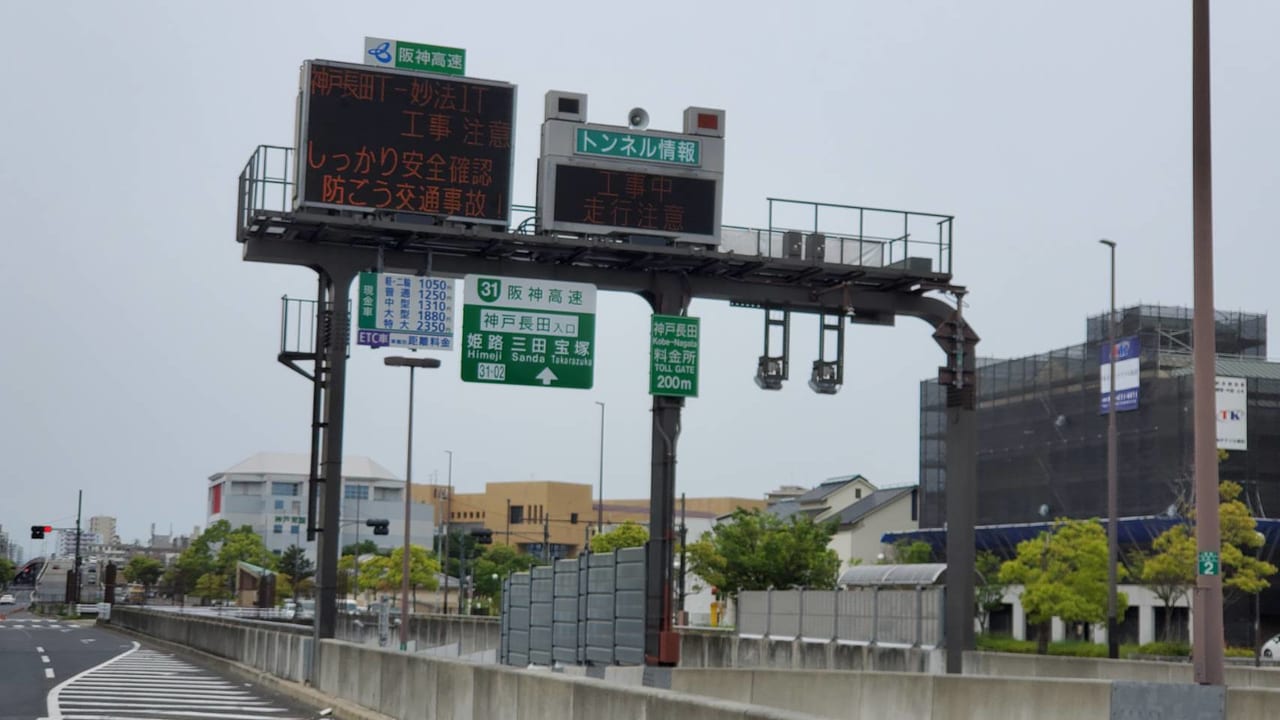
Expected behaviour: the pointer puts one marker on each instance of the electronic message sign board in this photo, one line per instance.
(642, 201)
(377, 139)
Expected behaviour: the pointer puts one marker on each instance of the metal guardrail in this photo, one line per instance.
(817, 232)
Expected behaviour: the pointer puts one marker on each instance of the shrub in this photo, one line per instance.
(1240, 652)
(1166, 649)
(1077, 648)
(1004, 643)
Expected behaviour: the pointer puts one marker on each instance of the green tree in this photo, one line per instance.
(912, 552)
(145, 571)
(212, 586)
(1169, 570)
(365, 547)
(7, 571)
(626, 535)
(1242, 572)
(756, 550)
(295, 565)
(989, 590)
(1063, 574)
(491, 568)
(383, 574)
(244, 545)
(217, 550)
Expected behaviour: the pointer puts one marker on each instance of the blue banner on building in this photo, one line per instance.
(1128, 357)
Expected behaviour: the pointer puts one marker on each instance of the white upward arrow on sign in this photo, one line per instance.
(546, 376)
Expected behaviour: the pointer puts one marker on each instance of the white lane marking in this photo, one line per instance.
(53, 712)
(44, 659)
(39, 649)
(48, 672)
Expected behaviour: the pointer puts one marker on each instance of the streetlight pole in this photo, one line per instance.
(448, 515)
(412, 364)
(1113, 521)
(355, 575)
(600, 501)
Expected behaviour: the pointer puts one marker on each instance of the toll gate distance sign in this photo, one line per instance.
(522, 331)
(673, 356)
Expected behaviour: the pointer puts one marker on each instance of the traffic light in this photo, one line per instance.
(379, 526)
(38, 531)
(482, 536)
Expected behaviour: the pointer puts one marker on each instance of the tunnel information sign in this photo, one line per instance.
(375, 139)
(521, 331)
(673, 356)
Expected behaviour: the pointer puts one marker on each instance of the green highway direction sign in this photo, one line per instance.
(414, 56)
(1208, 563)
(637, 146)
(673, 356)
(520, 331)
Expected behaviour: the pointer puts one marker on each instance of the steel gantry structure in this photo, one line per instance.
(338, 245)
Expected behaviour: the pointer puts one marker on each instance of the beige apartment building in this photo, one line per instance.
(529, 514)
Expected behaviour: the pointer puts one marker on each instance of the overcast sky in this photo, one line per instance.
(141, 349)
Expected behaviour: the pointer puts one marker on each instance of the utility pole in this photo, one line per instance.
(355, 565)
(600, 500)
(75, 593)
(1207, 633)
(546, 539)
(448, 515)
(684, 541)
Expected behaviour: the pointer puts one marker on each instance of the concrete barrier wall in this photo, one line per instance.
(472, 633)
(410, 687)
(280, 649)
(918, 696)
(716, 649)
(1020, 665)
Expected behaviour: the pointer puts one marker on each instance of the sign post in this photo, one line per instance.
(673, 356)
(405, 311)
(521, 331)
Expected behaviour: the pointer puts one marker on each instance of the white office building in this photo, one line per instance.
(89, 543)
(268, 492)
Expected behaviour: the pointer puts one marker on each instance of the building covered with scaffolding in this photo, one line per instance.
(1042, 444)
(1042, 429)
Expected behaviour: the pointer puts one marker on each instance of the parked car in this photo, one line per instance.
(1271, 648)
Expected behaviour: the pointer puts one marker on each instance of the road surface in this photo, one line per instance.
(73, 670)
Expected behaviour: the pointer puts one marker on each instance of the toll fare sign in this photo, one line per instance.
(519, 331)
(405, 311)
